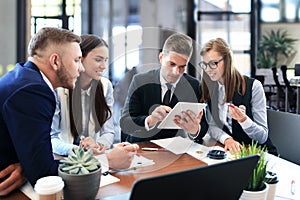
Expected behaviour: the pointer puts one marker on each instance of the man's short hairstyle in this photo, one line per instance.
(50, 35)
(179, 43)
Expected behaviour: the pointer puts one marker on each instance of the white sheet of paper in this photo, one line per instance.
(108, 179)
(177, 145)
(141, 161)
(200, 152)
(28, 190)
(137, 161)
(168, 122)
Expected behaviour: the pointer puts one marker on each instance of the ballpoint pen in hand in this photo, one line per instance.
(293, 187)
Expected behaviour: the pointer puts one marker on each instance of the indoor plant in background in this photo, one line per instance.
(81, 173)
(256, 187)
(275, 48)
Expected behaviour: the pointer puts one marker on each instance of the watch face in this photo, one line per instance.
(216, 154)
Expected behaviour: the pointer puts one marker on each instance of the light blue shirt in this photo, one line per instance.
(256, 129)
(58, 145)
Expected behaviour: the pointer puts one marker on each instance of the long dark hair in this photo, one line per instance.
(100, 112)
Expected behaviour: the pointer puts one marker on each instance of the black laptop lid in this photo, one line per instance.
(225, 180)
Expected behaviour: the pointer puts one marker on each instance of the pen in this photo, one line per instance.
(293, 187)
(153, 149)
(231, 105)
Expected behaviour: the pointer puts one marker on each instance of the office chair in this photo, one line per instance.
(279, 90)
(291, 91)
(284, 133)
(269, 91)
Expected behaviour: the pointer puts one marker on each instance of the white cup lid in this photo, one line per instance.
(49, 185)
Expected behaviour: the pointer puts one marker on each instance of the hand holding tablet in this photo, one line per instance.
(168, 122)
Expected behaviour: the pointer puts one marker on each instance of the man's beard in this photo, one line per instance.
(65, 78)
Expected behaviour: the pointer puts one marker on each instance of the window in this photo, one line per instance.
(126, 43)
(280, 11)
(230, 20)
(56, 13)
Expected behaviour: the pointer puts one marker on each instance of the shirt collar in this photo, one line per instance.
(163, 81)
(87, 91)
(47, 81)
(221, 86)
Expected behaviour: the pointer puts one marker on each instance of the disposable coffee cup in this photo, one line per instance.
(272, 182)
(272, 191)
(49, 188)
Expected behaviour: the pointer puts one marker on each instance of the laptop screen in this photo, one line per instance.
(218, 181)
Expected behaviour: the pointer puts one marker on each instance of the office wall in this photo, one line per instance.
(158, 17)
(7, 33)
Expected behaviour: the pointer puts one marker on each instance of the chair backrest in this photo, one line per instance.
(297, 69)
(276, 80)
(284, 131)
(261, 78)
(291, 91)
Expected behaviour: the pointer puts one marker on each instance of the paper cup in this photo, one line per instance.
(272, 191)
(49, 188)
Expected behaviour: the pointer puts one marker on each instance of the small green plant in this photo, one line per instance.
(79, 162)
(258, 179)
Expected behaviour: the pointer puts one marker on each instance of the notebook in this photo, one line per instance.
(225, 180)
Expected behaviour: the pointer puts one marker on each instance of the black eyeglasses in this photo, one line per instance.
(210, 64)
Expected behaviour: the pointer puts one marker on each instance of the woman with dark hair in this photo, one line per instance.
(86, 111)
(236, 111)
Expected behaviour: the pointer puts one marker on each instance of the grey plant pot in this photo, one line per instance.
(81, 187)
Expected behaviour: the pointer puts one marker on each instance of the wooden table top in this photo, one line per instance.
(165, 162)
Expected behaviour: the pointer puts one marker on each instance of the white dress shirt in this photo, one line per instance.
(256, 129)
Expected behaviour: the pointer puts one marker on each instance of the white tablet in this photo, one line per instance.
(168, 122)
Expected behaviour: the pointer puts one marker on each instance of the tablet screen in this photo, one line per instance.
(168, 122)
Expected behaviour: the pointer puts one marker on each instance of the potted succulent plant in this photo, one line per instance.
(257, 183)
(81, 172)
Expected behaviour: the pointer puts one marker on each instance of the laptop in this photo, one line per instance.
(225, 180)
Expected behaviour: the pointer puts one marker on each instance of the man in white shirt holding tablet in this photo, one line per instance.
(144, 108)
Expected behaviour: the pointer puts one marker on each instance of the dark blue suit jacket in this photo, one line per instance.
(27, 106)
(144, 96)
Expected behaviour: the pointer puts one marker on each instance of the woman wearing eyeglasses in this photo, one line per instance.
(236, 111)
